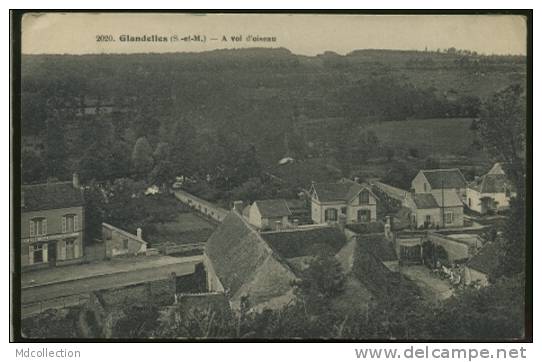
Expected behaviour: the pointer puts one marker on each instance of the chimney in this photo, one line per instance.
(238, 206)
(387, 228)
(75, 180)
(139, 234)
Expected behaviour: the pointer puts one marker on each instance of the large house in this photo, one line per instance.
(52, 223)
(491, 192)
(354, 202)
(434, 181)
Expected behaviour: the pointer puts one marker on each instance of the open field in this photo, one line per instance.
(428, 136)
(187, 228)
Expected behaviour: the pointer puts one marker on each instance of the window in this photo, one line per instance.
(364, 215)
(449, 217)
(70, 249)
(424, 187)
(428, 219)
(507, 192)
(331, 214)
(470, 202)
(70, 223)
(38, 226)
(125, 244)
(343, 210)
(364, 197)
(37, 253)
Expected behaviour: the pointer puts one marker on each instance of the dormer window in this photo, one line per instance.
(38, 226)
(70, 223)
(364, 197)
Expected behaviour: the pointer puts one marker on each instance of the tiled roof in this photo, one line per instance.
(297, 243)
(425, 201)
(238, 253)
(273, 208)
(339, 191)
(49, 196)
(447, 198)
(490, 184)
(486, 259)
(445, 178)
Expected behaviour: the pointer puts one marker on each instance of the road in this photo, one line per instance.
(71, 291)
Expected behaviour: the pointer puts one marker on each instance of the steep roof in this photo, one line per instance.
(490, 184)
(445, 178)
(486, 259)
(56, 195)
(273, 208)
(496, 169)
(339, 191)
(238, 253)
(306, 242)
(425, 201)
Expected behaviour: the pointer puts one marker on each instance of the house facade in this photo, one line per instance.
(490, 192)
(269, 214)
(354, 202)
(438, 210)
(52, 224)
(119, 242)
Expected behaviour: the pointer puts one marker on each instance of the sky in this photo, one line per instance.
(305, 34)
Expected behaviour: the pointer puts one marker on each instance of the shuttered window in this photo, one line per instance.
(38, 226)
(70, 223)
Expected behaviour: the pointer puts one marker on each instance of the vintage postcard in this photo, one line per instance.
(302, 176)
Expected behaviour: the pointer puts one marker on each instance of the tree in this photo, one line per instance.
(142, 160)
(162, 173)
(321, 281)
(399, 175)
(32, 167)
(55, 148)
(503, 131)
(182, 141)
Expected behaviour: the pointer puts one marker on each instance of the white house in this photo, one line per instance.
(269, 214)
(443, 209)
(492, 191)
(351, 200)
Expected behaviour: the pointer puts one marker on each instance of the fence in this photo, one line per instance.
(202, 206)
(172, 248)
(30, 309)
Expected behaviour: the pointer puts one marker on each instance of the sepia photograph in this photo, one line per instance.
(271, 176)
